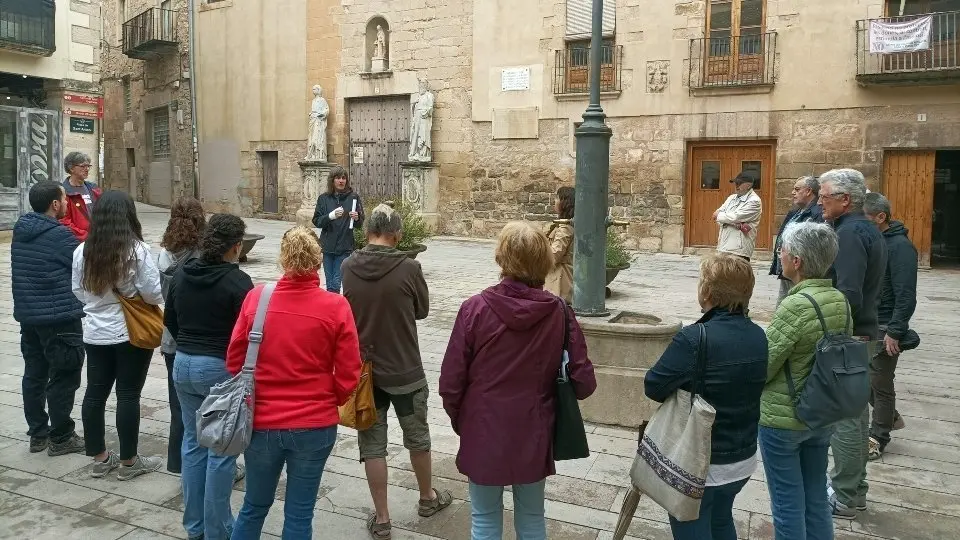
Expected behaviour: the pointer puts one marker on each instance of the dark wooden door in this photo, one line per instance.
(710, 170)
(908, 182)
(271, 199)
(379, 142)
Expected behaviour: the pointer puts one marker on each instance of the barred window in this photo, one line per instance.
(161, 134)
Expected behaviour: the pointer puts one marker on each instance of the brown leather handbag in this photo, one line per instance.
(144, 321)
(360, 411)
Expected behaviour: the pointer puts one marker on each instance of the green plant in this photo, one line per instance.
(617, 254)
(415, 229)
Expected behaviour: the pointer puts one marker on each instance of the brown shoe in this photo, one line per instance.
(431, 507)
(379, 531)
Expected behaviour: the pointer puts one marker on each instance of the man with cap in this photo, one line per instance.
(738, 218)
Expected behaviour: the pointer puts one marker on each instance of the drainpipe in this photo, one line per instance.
(193, 102)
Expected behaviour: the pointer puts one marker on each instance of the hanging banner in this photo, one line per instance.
(895, 37)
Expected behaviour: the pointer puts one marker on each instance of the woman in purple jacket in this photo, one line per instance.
(498, 384)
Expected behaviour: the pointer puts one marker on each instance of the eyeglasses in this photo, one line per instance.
(83, 166)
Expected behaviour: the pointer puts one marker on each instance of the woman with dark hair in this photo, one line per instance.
(114, 261)
(181, 242)
(560, 278)
(203, 304)
(336, 210)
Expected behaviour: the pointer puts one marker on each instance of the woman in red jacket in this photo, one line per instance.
(498, 384)
(309, 363)
(81, 194)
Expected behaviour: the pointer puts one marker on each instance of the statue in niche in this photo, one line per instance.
(380, 46)
(421, 123)
(317, 136)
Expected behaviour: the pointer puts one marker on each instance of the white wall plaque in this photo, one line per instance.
(513, 79)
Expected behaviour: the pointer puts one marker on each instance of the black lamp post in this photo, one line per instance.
(593, 185)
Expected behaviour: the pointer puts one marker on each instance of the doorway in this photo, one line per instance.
(923, 186)
(710, 167)
(269, 162)
(379, 142)
(945, 236)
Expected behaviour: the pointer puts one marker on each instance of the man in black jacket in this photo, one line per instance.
(339, 211)
(898, 300)
(806, 190)
(857, 273)
(51, 336)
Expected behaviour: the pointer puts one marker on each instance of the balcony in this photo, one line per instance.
(150, 34)
(27, 26)
(733, 62)
(940, 64)
(571, 71)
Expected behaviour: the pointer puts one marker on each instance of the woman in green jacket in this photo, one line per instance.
(795, 457)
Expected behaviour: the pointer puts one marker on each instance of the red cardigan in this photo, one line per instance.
(78, 215)
(309, 361)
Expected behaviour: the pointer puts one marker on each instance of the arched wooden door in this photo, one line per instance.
(710, 167)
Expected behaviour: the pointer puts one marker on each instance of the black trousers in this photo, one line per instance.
(174, 459)
(52, 364)
(127, 366)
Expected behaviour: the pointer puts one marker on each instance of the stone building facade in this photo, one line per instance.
(148, 135)
(49, 94)
(694, 90)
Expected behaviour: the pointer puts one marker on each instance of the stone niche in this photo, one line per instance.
(623, 347)
(377, 49)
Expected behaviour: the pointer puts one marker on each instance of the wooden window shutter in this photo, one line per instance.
(579, 18)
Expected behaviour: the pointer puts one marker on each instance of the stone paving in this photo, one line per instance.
(914, 495)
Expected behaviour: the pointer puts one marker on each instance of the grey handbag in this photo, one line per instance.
(225, 418)
(838, 387)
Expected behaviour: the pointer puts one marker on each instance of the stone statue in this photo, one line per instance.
(421, 123)
(317, 137)
(380, 47)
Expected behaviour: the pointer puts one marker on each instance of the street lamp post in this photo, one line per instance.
(593, 185)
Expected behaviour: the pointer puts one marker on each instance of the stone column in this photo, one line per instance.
(421, 189)
(314, 175)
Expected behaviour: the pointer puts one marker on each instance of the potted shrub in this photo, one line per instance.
(415, 229)
(618, 258)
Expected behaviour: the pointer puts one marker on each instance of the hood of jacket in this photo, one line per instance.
(896, 228)
(518, 306)
(203, 274)
(32, 225)
(372, 263)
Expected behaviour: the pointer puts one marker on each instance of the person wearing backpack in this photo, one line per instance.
(858, 273)
(180, 243)
(795, 456)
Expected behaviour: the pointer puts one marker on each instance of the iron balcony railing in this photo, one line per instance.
(747, 60)
(940, 61)
(571, 71)
(28, 26)
(150, 33)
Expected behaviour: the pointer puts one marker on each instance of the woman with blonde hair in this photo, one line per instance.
(308, 365)
(498, 384)
(732, 378)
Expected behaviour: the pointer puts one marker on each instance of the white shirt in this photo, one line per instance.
(719, 475)
(104, 323)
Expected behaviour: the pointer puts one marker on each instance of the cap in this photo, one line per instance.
(743, 178)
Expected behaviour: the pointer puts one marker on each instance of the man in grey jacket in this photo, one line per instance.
(898, 300)
(857, 273)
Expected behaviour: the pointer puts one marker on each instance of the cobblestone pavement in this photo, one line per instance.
(914, 490)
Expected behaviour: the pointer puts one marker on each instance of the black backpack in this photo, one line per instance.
(838, 387)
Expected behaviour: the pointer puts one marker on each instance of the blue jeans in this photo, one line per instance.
(795, 463)
(305, 453)
(206, 476)
(716, 515)
(486, 507)
(332, 272)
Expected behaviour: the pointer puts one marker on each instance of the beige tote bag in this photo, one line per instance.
(674, 452)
